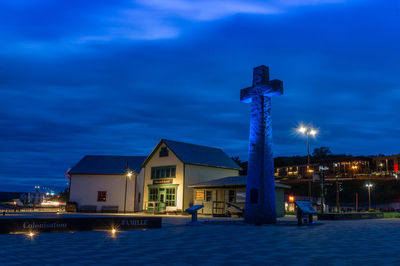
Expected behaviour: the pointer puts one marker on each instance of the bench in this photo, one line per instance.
(110, 209)
(88, 208)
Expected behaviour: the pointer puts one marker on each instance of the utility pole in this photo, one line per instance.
(337, 196)
(322, 176)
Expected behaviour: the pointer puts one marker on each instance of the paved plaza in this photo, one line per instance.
(216, 242)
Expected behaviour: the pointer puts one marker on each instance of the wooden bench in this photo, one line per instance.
(111, 209)
(88, 208)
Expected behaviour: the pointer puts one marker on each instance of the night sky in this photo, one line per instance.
(114, 77)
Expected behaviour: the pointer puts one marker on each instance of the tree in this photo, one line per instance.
(243, 165)
(321, 152)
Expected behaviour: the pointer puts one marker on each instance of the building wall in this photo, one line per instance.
(157, 161)
(139, 191)
(222, 194)
(84, 190)
(195, 174)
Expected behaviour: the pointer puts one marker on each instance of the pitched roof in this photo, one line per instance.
(197, 154)
(103, 164)
(229, 181)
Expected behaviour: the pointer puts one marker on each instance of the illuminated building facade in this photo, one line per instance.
(227, 196)
(174, 166)
(345, 167)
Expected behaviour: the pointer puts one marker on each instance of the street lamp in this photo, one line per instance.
(369, 186)
(354, 167)
(313, 132)
(128, 175)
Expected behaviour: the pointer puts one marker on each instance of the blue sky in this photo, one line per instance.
(114, 77)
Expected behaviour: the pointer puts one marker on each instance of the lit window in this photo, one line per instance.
(101, 195)
(170, 197)
(199, 195)
(153, 194)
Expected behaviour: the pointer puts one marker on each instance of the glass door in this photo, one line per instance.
(161, 197)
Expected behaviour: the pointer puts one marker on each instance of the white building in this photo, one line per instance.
(163, 182)
(172, 167)
(101, 183)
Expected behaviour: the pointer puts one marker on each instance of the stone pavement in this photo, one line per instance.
(217, 242)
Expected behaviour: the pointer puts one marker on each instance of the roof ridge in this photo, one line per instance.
(102, 155)
(193, 144)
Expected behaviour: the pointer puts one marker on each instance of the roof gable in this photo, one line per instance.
(197, 154)
(102, 164)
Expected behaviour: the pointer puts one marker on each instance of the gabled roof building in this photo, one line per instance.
(101, 183)
(173, 166)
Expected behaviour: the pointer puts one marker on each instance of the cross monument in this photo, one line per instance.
(260, 207)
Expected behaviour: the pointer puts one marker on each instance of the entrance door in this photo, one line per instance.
(161, 198)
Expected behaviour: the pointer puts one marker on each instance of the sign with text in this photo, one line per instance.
(162, 181)
(67, 223)
(305, 206)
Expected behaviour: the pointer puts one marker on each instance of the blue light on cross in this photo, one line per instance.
(260, 206)
(261, 85)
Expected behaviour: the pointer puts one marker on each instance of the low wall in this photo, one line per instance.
(350, 216)
(84, 223)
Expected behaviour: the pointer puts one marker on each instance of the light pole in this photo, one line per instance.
(354, 167)
(337, 188)
(369, 186)
(128, 175)
(308, 131)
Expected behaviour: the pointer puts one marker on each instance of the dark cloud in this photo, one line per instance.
(62, 97)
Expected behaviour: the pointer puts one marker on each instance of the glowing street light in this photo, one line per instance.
(369, 186)
(313, 132)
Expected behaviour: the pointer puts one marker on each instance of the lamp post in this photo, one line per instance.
(308, 131)
(354, 167)
(128, 175)
(369, 186)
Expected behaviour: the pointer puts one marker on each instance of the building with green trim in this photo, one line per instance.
(172, 167)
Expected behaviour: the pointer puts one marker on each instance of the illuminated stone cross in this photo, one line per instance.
(260, 205)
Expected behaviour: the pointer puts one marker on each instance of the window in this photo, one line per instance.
(153, 194)
(164, 152)
(231, 196)
(240, 196)
(170, 197)
(208, 195)
(163, 172)
(138, 198)
(101, 195)
(199, 195)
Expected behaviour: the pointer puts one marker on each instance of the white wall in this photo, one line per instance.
(84, 190)
(139, 191)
